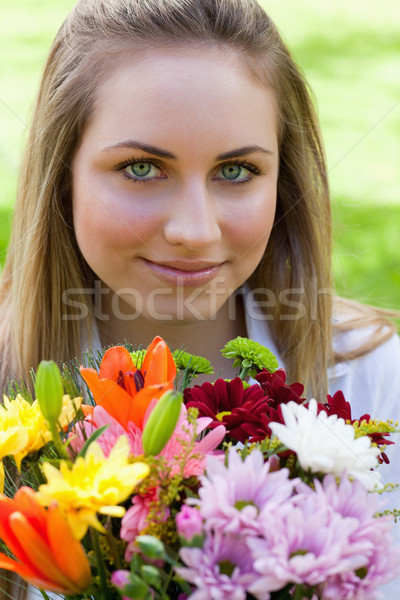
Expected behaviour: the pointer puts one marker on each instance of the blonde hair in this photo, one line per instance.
(44, 259)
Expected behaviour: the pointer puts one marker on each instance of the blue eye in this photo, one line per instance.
(142, 170)
(232, 171)
(236, 172)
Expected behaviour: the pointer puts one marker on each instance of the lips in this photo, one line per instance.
(183, 272)
(188, 266)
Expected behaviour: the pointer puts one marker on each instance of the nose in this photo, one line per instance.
(194, 218)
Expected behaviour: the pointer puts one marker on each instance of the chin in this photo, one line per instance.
(183, 311)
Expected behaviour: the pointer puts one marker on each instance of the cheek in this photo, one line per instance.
(92, 227)
(101, 235)
(106, 223)
(250, 229)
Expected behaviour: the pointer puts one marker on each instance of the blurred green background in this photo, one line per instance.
(350, 52)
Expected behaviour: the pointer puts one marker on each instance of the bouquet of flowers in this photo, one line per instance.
(154, 488)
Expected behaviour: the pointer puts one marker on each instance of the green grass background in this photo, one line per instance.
(350, 52)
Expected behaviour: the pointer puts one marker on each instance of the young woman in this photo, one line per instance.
(174, 183)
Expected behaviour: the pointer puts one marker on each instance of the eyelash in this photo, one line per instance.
(126, 163)
(255, 171)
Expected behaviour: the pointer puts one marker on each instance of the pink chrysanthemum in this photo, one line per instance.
(327, 538)
(221, 569)
(373, 535)
(241, 496)
(304, 547)
(109, 437)
(195, 462)
(383, 566)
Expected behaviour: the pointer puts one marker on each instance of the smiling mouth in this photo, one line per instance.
(185, 273)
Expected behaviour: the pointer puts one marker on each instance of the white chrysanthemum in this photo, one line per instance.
(326, 444)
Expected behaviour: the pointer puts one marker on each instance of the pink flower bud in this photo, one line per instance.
(189, 522)
(120, 578)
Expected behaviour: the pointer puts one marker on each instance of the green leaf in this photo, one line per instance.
(96, 434)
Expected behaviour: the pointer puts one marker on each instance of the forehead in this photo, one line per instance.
(159, 91)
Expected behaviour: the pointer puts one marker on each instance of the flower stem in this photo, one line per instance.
(113, 549)
(187, 379)
(61, 450)
(100, 563)
(167, 581)
(244, 371)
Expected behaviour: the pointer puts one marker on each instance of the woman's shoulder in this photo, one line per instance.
(368, 368)
(359, 328)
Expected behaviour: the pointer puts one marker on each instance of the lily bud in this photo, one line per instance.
(49, 390)
(161, 423)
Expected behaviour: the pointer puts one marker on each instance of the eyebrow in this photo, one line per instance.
(135, 145)
(244, 151)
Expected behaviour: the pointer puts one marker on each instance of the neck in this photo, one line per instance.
(201, 337)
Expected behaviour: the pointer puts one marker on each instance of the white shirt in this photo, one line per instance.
(371, 384)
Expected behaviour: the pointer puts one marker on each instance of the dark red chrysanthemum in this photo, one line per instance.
(221, 397)
(276, 388)
(277, 392)
(228, 403)
(246, 414)
(337, 405)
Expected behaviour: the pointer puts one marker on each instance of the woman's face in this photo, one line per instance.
(174, 183)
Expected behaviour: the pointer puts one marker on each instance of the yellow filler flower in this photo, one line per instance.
(94, 484)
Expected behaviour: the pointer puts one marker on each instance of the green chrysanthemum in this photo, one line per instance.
(138, 357)
(185, 361)
(191, 366)
(250, 356)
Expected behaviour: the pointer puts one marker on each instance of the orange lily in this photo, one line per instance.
(46, 553)
(126, 392)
